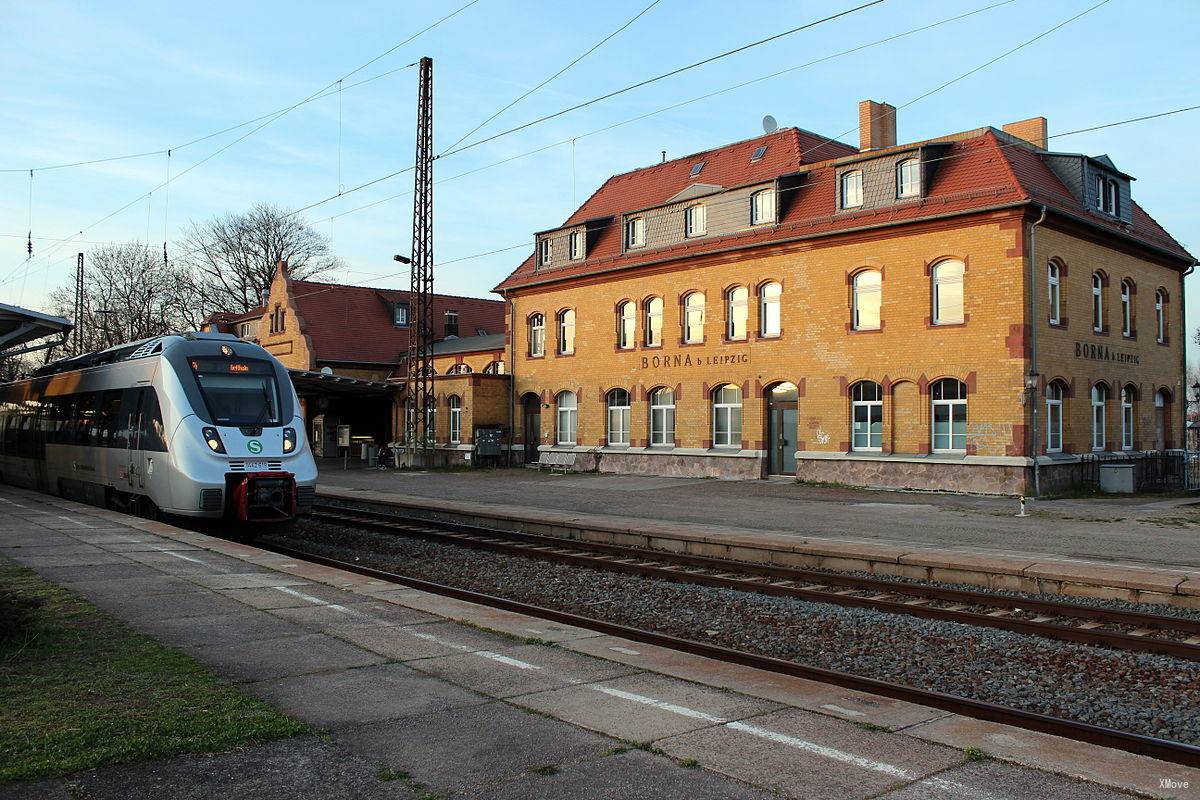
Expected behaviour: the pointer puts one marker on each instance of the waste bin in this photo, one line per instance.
(1117, 478)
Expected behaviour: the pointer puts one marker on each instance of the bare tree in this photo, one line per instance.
(129, 295)
(233, 256)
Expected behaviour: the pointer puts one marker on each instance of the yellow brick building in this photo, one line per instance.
(972, 312)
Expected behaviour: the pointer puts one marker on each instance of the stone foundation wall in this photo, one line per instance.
(681, 466)
(940, 476)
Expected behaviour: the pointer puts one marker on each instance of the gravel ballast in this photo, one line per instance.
(1148, 694)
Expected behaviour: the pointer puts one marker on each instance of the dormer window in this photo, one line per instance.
(635, 232)
(545, 252)
(697, 167)
(852, 194)
(1111, 198)
(576, 245)
(762, 207)
(908, 178)
(695, 221)
(450, 323)
(1108, 196)
(400, 315)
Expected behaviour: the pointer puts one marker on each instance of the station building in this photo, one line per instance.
(970, 312)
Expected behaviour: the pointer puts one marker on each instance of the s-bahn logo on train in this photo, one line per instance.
(254, 446)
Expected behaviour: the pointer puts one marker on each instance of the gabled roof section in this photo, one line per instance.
(695, 190)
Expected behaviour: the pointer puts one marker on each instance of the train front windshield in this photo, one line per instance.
(238, 393)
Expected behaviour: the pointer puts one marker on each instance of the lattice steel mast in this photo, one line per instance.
(419, 438)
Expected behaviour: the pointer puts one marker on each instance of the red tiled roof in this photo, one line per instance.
(972, 173)
(354, 323)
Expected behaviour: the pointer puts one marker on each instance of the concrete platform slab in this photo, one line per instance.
(268, 597)
(368, 694)
(278, 658)
(634, 774)
(520, 670)
(167, 606)
(36, 560)
(345, 615)
(996, 781)
(1088, 762)
(248, 580)
(800, 754)
(243, 626)
(644, 707)
(145, 584)
(448, 752)
(408, 643)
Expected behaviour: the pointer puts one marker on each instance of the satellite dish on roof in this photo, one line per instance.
(769, 124)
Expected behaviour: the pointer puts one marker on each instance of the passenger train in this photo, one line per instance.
(192, 424)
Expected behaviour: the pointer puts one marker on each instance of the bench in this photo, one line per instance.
(553, 460)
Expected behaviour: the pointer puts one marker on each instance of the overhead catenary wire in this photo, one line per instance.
(557, 74)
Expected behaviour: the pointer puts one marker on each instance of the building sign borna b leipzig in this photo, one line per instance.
(1102, 352)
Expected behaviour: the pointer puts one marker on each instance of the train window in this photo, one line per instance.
(238, 393)
(108, 417)
(85, 416)
(27, 448)
(10, 434)
(151, 434)
(126, 431)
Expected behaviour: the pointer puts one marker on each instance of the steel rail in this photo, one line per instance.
(1154, 747)
(744, 576)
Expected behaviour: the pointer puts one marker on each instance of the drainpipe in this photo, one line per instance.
(1183, 444)
(512, 377)
(1033, 377)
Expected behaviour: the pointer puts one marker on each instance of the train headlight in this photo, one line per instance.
(214, 440)
(289, 439)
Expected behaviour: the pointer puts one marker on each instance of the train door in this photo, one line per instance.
(131, 420)
(152, 444)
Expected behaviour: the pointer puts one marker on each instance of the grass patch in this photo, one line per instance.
(82, 690)
(540, 642)
(615, 751)
(646, 746)
(975, 754)
(392, 775)
(689, 763)
(545, 769)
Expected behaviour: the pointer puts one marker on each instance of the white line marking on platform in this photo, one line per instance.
(314, 600)
(73, 520)
(839, 710)
(180, 555)
(683, 711)
(11, 503)
(462, 648)
(822, 750)
(626, 651)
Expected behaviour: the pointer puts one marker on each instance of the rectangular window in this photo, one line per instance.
(450, 321)
(762, 207)
(545, 252)
(949, 426)
(635, 232)
(576, 245)
(1054, 426)
(852, 194)
(618, 425)
(400, 315)
(455, 424)
(695, 221)
(662, 426)
(868, 426)
(727, 426)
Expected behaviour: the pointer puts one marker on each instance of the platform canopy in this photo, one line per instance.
(307, 382)
(21, 328)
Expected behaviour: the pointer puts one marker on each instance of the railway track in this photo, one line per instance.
(1154, 747)
(1073, 622)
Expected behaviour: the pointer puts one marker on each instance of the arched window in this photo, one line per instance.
(494, 368)
(537, 335)
(662, 418)
(948, 293)
(737, 301)
(568, 418)
(1053, 282)
(635, 232)
(1054, 416)
(693, 318)
(695, 221)
(459, 369)
(1128, 396)
(727, 416)
(566, 332)
(618, 417)
(1160, 315)
(866, 408)
(868, 297)
(769, 310)
(908, 178)
(1099, 399)
(949, 416)
(1126, 308)
(1097, 302)
(455, 404)
(762, 207)
(852, 185)
(626, 325)
(654, 322)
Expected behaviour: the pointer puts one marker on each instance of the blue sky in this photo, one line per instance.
(90, 80)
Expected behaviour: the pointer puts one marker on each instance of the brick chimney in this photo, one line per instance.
(876, 125)
(1032, 130)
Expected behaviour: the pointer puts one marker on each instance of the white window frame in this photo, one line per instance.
(770, 310)
(908, 178)
(940, 278)
(1054, 291)
(737, 312)
(1112, 198)
(695, 221)
(662, 418)
(693, 318)
(455, 405)
(619, 419)
(1054, 417)
(627, 325)
(861, 293)
(575, 246)
(1099, 397)
(494, 368)
(1097, 302)
(545, 252)
(537, 335)
(1099, 192)
(873, 411)
(635, 233)
(1126, 309)
(653, 308)
(1127, 418)
(566, 418)
(954, 408)
(728, 411)
(566, 332)
(762, 207)
(851, 185)
(1160, 316)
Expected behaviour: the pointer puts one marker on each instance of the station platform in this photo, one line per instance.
(475, 702)
(1138, 549)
